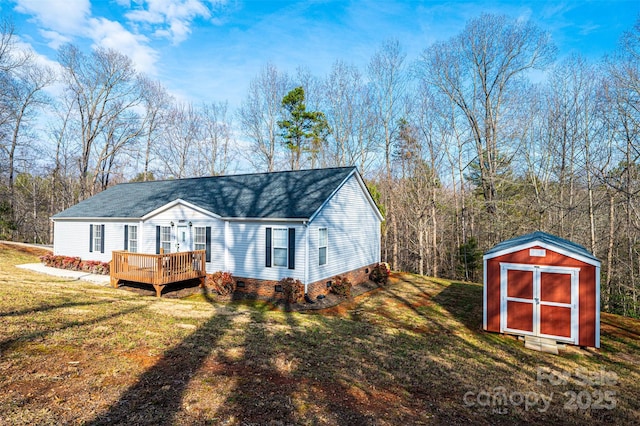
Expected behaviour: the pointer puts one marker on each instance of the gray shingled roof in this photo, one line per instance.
(294, 194)
(543, 237)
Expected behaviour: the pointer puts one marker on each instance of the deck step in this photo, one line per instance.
(541, 344)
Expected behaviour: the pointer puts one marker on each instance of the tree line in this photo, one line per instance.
(482, 137)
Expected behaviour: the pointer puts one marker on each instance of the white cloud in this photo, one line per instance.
(65, 21)
(55, 38)
(113, 35)
(170, 18)
(61, 16)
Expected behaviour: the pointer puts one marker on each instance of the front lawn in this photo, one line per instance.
(410, 353)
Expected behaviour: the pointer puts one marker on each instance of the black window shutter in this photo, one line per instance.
(208, 246)
(126, 237)
(90, 238)
(268, 249)
(157, 240)
(101, 238)
(292, 248)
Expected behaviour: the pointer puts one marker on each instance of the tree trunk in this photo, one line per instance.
(612, 229)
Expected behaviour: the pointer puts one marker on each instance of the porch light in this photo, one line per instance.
(190, 224)
(172, 224)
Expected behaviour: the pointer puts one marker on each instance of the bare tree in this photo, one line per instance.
(347, 102)
(477, 70)
(22, 97)
(216, 145)
(388, 78)
(178, 149)
(622, 92)
(156, 103)
(259, 114)
(101, 88)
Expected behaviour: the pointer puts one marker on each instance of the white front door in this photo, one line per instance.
(539, 300)
(183, 238)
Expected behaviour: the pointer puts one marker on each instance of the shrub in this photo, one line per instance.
(75, 264)
(380, 273)
(222, 283)
(293, 290)
(341, 286)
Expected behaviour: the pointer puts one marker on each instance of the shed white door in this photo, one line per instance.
(183, 238)
(539, 301)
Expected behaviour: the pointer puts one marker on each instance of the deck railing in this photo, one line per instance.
(157, 269)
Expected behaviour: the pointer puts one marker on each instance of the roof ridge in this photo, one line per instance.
(240, 174)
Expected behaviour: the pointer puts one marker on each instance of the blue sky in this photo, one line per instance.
(208, 50)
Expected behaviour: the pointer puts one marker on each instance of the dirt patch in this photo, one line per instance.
(142, 357)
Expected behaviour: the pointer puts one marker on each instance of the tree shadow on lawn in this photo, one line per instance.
(284, 377)
(464, 302)
(157, 396)
(44, 307)
(339, 370)
(295, 368)
(9, 343)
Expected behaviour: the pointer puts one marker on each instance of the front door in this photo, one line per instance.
(183, 239)
(539, 300)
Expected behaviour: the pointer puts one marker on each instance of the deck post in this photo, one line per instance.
(158, 289)
(158, 275)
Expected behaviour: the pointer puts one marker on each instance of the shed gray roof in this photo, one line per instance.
(542, 237)
(294, 194)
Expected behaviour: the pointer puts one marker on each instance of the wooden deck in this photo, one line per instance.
(157, 269)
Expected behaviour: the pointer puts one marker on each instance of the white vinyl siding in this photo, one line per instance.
(322, 246)
(133, 238)
(280, 241)
(165, 238)
(355, 233)
(246, 243)
(199, 238)
(71, 238)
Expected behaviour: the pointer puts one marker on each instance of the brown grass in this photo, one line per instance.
(77, 353)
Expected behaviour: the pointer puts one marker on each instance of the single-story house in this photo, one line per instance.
(543, 286)
(309, 225)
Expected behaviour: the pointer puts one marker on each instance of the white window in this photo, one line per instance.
(322, 246)
(280, 247)
(133, 238)
(199, 238)
(97, 237)
(165, 238)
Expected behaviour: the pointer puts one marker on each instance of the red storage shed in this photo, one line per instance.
(545, 286)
